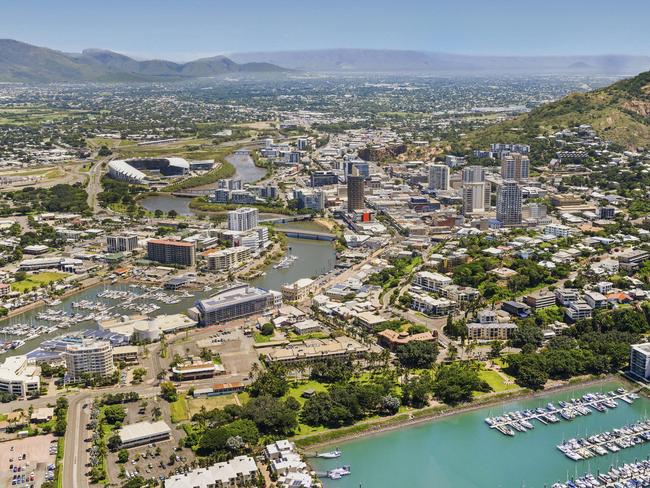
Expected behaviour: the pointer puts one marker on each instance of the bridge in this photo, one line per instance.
(306, 234)
(288, 218)
(192, 193)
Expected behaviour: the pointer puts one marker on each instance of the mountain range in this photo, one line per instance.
(22, 62)
(384, 60)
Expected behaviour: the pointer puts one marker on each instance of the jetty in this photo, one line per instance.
(521, 420)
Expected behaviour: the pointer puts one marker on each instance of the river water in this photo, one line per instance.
(246, 171)
(462, 452)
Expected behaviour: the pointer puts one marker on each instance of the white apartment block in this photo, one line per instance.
(89, 356)
(431, 281)
(229, 258)
(243, 219)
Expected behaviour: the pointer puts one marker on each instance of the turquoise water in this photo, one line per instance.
(461, 451)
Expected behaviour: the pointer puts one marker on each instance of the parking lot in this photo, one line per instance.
(150, 460)
(27, 462)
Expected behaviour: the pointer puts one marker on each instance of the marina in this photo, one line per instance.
(520, 420)
(629, 475)
(439, 452)
(606, 442)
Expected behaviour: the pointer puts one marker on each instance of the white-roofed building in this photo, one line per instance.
(239, 471)
(141, 433)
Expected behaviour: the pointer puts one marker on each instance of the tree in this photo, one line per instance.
(139, 374)
(122, 456)
(271, 382)
(272, 415)
(417, 354)
(114, 442)
(114, 414)
(267, 329)
(156, 412)
(158, 213)
(495, 349)
(20, 276)
(168, 391)
(172, 214)
(456, 382)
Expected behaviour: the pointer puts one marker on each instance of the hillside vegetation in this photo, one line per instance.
(619, 112)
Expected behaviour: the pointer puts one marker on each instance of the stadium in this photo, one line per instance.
(130, 170)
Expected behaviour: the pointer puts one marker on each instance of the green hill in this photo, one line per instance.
(619, 112)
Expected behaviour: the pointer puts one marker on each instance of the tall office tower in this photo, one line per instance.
(242, 219)
(438, 177)
(509, 203)
(473, 174)
(515, 166)
(473, 198)
(355, 191)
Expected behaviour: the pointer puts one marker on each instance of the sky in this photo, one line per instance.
(187, 29)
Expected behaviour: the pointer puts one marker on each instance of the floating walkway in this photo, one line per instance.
(521, 420)
(629, 475)
(611, 441)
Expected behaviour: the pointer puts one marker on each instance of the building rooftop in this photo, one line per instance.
(142, 430)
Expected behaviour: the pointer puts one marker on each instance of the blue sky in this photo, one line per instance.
(186, 29)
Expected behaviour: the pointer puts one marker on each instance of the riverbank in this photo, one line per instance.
(417, 417)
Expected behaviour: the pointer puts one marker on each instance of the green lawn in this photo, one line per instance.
(495, 381)
(260, 338)
(36, 280)
(178, 409)
(298, 390)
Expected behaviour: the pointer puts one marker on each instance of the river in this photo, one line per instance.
(246, 171)
(460, 451)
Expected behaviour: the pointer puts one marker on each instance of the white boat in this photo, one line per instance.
(337, 473)
(330, 455)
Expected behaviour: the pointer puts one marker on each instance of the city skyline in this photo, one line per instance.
(196, 29)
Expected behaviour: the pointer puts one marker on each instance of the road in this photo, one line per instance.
(75, 456)
(94, 185)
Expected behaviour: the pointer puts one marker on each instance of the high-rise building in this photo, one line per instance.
(323, 178)
(355, 192)
(473, 198)
(357, 167)
(438, 177)
(89, 356)
(121, 243)
(509, 203)
(473, 174)
(640, 361)
(311, 199)
(515, 166)
(243, 219)
(171, 252)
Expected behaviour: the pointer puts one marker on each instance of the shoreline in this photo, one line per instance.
(410, 419)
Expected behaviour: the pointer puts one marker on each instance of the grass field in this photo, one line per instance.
(178, 410)
(261, 338)
(210, 403)
(495, 381)
(36, 280)
(298, 390)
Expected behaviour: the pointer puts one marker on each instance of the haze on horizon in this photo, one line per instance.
(192, 29)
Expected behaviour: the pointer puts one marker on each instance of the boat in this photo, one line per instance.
(330, 455)
(337, 473)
